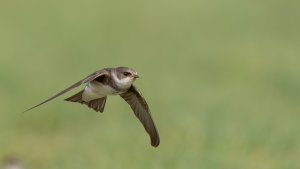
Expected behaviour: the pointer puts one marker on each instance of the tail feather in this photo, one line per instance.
(96, 104)
(76, 98)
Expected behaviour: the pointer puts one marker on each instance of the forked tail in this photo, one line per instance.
(96, 104)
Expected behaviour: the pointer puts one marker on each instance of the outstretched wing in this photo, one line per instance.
(89, 78)
(141, 110)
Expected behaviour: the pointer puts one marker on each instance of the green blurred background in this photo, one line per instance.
(222, 79)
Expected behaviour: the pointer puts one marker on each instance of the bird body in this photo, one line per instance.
(112, 81)
(95, 90)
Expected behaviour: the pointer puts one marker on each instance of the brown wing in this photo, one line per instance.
(141, 110)
(85, 80)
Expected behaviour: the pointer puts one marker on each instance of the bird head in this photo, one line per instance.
(125, 76)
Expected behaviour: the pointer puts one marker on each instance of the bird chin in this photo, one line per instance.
(125, 83)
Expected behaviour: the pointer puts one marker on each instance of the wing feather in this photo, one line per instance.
(85, 80)
(141, 110)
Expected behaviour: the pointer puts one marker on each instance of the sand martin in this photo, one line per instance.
(112, 81)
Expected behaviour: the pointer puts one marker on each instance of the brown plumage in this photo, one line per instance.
(112, 81)
(141, 110)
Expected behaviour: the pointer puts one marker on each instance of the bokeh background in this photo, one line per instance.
(222, 79)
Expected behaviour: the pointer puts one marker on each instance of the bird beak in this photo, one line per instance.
(136, 76)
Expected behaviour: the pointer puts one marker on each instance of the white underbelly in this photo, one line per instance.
(96, 90)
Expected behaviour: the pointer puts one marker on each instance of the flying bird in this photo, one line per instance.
(112, 81)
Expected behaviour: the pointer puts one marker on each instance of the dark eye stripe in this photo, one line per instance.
(127, 74)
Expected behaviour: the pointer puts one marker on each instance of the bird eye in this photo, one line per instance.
(127, 73)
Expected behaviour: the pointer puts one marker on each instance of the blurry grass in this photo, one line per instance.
(221, 78)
